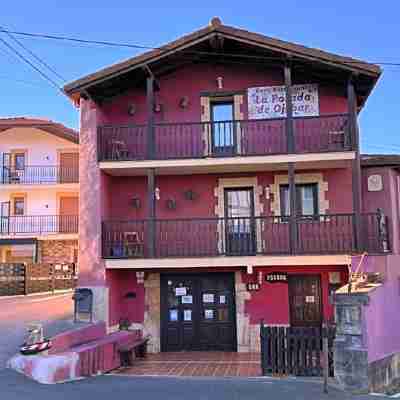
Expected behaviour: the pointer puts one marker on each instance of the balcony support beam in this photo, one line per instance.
(151, 240)
(291, 149)
(150, 117)
(356, 164)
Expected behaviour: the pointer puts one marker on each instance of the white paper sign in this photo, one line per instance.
(310, 299)
(187, 315)
(222, 299)
(266, 102)
(180, 291)
(187, 299)
(208, 314)
(173, 315)
(208, 298)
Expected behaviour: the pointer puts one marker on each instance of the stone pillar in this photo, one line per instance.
(350, 347)
(152, 312)
(92, 192)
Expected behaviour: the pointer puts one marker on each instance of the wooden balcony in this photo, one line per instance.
(195, 140)
(39, 175)
(210, 237)
(38, 225)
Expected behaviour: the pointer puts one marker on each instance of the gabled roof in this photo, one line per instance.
(54, 128)
(380, 160)
(217, 29)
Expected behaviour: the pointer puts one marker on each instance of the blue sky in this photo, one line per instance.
(370, 32)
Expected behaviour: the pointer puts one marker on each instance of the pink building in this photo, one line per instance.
(222, 184)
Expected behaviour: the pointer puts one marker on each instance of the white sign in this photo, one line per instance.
(187, 315)
(375, 183)
(180, 291)
(208, 298)
(266, 102)
(187, 299)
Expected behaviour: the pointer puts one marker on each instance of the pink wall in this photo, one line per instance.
(173, 187)
(381, 315)
(387, 199)
(122, 282)
(271, 302)
(192, 80)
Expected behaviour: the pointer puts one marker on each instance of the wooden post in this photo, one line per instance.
(325, 350)
(152, 211)
(356, 166)
(291, 148)
(150, 117)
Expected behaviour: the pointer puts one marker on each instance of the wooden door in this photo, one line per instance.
(69, 167)
(69, 210)
(198, 312)
(305, 300)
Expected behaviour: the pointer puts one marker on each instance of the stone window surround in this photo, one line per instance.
(323, 202)
(244, 182)
(205, 105)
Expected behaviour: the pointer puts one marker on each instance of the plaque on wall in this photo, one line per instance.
(375, 183)
(276, 277)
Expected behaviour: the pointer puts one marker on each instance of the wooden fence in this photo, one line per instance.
(295, 351)
(22, 279)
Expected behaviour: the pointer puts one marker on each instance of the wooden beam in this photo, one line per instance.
(293, 208)
(151, 199)
(356, 164)
(150, 117)
(289, 108)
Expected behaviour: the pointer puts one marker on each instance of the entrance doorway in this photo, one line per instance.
(198, 312)
(305, 300)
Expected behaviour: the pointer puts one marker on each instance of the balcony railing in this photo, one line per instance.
(38, 224)
(207, 237)
(39, 175)
(224, 138)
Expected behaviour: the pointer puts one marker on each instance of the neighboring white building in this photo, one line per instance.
(39, 191)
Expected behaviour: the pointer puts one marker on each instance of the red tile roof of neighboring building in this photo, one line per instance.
(54, 128)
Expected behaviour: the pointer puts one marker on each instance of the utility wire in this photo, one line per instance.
(23, 58)
(143, 47)
(36, 57)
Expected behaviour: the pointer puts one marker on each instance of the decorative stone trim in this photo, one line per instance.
(205, 117)
(323, 203)
(238, 116)
(226, 183)
(152, 312)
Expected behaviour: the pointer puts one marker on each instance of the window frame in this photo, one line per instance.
(16, 155)
(299, 200)
(16, 200)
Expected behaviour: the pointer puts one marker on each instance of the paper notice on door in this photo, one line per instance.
(187, 299)
(222, 299)
(310, 299)
(208, 298)
(187, 315)
(180, 291)
(209, 314)
(173, 315)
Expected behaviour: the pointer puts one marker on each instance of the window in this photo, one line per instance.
(19, 205)
(222, 127)
(19, 160)
(306, 199)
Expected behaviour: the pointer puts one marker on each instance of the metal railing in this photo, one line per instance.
(39, 175)
(223, 138)
(206, 237)
(38, 224)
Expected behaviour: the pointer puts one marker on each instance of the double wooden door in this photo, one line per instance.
(198, 312)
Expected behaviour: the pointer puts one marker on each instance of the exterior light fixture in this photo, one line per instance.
(220, 82)
(184, 102)
(136, 202)
(140, 276)
(157, 193)
(132, 109)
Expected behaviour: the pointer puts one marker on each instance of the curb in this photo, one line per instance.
(23, 296)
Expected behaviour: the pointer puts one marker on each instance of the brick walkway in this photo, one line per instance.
(219, 364)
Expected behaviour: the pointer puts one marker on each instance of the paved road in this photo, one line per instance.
(55, 312)
(16, 387)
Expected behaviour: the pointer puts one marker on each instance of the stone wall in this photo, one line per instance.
(56, 251)
(152, 312)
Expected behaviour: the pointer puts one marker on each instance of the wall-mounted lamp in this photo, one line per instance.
(140, 276)
(184, 102)
(190, 194)
(136, 203)
(132, 109)
(220, 82)
(158, 107)
(267, 191)
(157, 193)
(171, 204)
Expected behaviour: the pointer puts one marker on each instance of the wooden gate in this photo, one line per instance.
(295, 351)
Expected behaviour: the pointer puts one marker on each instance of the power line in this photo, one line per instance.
(144, 47)
(36, 57)
(23, 58)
